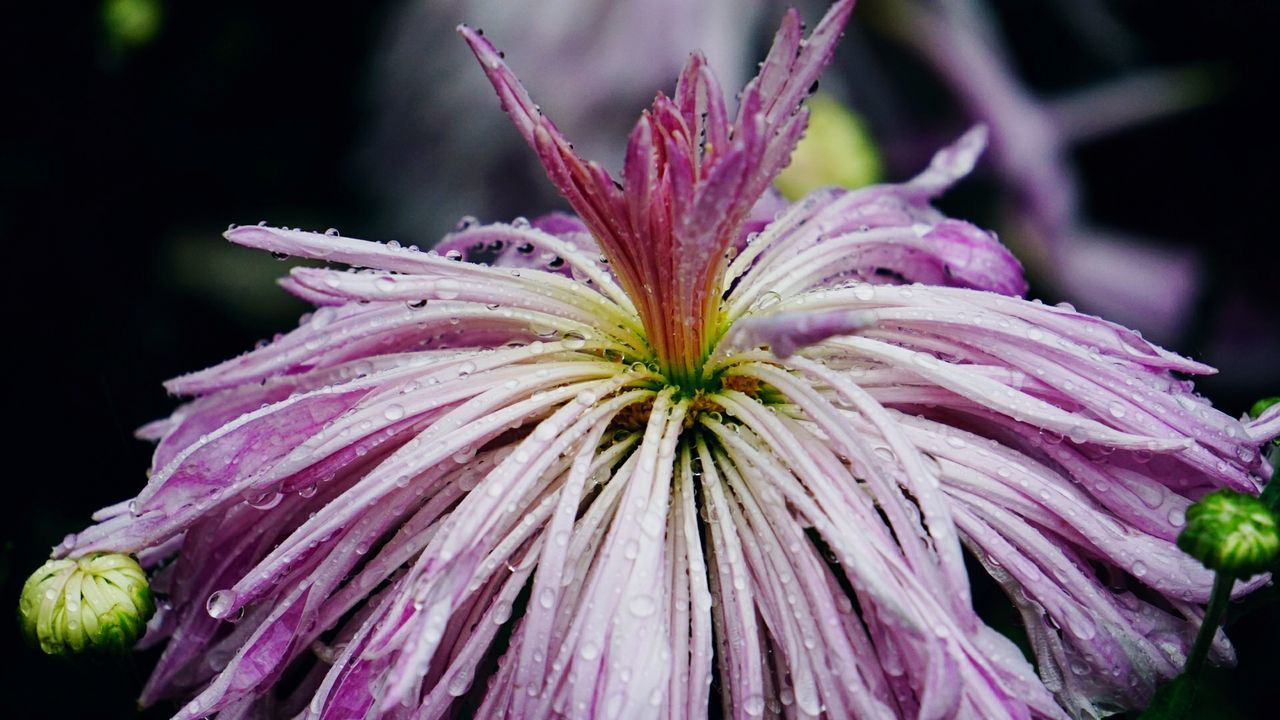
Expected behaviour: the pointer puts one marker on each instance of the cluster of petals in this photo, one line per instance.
(690, 451)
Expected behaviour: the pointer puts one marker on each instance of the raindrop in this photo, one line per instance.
(501, 612)
(265, 501)
(460, 683)
(447, 289)
(642, 606)
(767, 300)
(219, 604)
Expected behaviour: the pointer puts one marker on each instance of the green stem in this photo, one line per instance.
(1222, 583)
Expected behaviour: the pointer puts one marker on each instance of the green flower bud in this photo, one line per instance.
(1262, 405)
(98, 603)
(836, 150)
(1232, 533)
(131, 23)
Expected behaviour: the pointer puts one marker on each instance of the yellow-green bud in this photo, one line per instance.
(97, 603)
(1232, 533)
(836, 150)
(131, 23)
(1262, 406)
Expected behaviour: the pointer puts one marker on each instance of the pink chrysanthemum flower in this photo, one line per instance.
(689, 452)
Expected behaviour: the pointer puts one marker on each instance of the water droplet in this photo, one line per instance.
(219, 604)
(460, 682)
(767, 300)
(265, 501)
(393, 412)
(642, 606)
(447, 289)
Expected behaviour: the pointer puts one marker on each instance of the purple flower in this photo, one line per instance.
(687, 449)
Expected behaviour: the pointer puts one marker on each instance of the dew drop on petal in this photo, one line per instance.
(460, 683)
(642, 606)
(219, 604)
(447, 289)
(265, 501)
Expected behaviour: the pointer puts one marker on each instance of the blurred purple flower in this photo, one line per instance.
(1032, 139)
(598, 62)
(669, 440)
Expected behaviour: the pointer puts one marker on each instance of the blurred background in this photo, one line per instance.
(1132, 169)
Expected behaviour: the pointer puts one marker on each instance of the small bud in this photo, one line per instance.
(1231, 532)
(836, 150)
(97, 603)
(1262, 405)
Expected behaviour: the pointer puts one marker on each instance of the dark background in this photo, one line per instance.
(122, 163)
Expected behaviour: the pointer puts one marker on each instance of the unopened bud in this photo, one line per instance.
(1231, 532)
(836, 151)
(1262, 405)
(97, 603)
